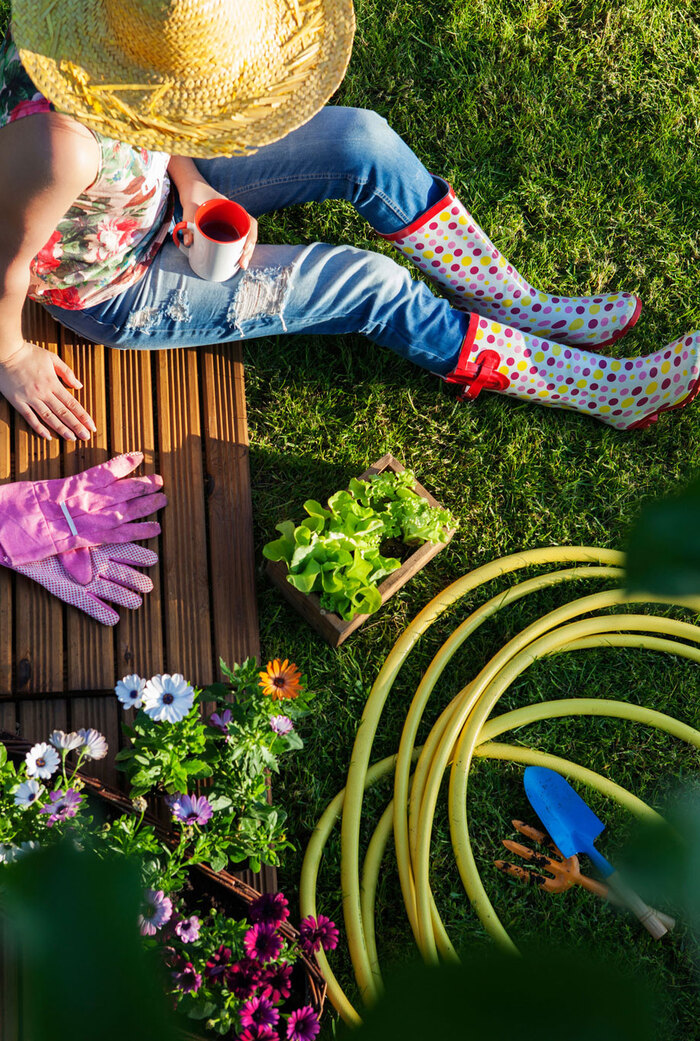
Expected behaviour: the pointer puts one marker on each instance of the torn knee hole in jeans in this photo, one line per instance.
(176, 308)
(259, 294)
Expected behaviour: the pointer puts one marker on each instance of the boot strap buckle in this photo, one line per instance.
(480, 374)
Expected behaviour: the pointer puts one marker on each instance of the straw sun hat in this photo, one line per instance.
(190, 77)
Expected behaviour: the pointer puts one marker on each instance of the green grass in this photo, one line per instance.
(569, 128)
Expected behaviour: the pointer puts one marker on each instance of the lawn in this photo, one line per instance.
(568, 127)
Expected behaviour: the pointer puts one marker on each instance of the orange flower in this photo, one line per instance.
(281, 680)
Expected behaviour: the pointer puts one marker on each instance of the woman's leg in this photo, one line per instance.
(316, 289)
(339, 289)
(353, 154)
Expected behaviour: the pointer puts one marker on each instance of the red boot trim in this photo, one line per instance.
(481, 373)
(423, 219)
(625, 329)
(653, 417)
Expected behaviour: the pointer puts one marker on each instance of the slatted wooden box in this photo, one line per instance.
(329, 624)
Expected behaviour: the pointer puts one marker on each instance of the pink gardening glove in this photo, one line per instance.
(112, 579)
(40, 519)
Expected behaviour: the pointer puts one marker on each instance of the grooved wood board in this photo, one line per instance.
(185, 410)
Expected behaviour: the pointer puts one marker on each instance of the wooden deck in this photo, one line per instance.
(185, 410)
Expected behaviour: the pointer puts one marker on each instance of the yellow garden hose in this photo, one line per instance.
(466, 729)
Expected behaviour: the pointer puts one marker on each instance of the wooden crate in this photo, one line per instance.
(329, 624)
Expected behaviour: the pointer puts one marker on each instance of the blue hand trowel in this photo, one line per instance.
(573, 827)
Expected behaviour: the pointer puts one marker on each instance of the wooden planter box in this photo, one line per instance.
(329, 624)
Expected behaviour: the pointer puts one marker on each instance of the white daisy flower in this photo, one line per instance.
(168, 698)
(59, 739)
(42, 760)
(27, 793)
(129, 690)
(9, 854)
(94, 744)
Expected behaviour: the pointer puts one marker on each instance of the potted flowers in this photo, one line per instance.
(232, 960)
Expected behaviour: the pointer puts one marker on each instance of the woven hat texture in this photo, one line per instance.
(191, 77)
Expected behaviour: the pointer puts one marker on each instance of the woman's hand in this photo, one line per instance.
(30, 379)
(193, 191)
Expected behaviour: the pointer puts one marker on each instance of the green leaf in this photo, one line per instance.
(283, 548)
(306, 579)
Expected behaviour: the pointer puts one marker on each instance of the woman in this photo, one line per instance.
(119, 116)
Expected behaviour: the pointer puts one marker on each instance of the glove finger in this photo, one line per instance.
(116, 594)
(125, 576)
(129, 532)
(127, 553)
(104, 473)
(49, 574)
(88, 502)
(78, 565)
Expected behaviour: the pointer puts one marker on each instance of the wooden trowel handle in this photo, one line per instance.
(646, 915)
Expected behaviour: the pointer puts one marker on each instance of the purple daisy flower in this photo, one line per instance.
(303, 1024)
(262, 942)
(61, 806)
(222, 721)
(271, 908)
(276, 983)
(217, 964)
(258, 1033)
(243, 977)
(187, 980)
(281, 724)
(191, 809)
(316, 933)
(259, 1012)
(155, 912)
(188, 929)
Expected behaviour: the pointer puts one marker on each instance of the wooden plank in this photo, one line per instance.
(185, 578)
(90, 645)
(139, 633)
(5, 575)
(9, 983)
(230, 508)
(38, 616)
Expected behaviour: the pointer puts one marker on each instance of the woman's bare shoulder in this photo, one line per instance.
(49, 148)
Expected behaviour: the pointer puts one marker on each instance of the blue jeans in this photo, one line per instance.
(342, 153)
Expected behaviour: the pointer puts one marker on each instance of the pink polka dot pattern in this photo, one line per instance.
(623, 392)
(455, 253)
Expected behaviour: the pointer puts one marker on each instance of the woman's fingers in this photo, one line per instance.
(250, 243)
(62, 413)
(79, 416)
(66, 373)
(29, 416)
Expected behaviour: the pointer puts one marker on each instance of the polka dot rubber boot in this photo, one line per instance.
(449, 246)
(626, 393)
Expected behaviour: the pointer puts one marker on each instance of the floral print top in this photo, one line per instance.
(107, 239)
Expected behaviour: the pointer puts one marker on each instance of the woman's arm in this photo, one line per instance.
(193, 190)
(46, 161)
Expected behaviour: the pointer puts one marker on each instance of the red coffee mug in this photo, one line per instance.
(219, 233)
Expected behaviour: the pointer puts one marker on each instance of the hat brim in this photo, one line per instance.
(84, 74)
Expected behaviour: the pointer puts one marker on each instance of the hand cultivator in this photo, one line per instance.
(556, 873)
(467, 729)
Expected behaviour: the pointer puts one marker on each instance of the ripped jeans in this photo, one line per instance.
(342, 153)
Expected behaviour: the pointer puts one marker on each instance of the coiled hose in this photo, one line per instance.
(464, 730)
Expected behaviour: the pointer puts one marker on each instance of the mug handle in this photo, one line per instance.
(180, 226)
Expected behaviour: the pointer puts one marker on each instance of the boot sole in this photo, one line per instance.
(653, 417)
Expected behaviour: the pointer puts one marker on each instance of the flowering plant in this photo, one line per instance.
(233, 974)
